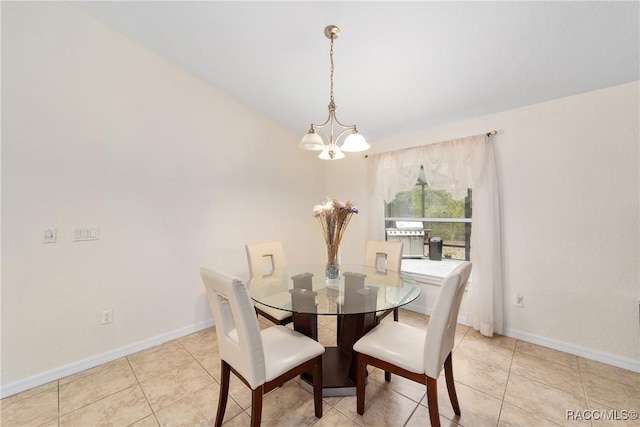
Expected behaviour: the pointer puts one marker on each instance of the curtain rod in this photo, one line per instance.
(489, 134)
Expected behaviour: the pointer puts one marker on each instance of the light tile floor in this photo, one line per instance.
(500, 382)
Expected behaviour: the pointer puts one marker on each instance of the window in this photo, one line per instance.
(440, 214)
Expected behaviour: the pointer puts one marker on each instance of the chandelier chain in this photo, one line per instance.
(331, 57)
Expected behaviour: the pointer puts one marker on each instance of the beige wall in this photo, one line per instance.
(568, 171)
(97, 131)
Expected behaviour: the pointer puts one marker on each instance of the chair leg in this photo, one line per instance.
(256, 406)
(317, 387)
(451, 385)
(224, 392)
(360, 372)
(432, 401)
(387, 375)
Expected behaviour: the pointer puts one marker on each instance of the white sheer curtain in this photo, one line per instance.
(453, 166)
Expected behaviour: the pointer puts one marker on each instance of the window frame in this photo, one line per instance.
(468, 210)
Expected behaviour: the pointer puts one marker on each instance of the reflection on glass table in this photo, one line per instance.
(355, 298)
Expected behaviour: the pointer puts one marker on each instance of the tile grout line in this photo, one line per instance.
(502, 401)
(58, 385)
(143, 393)
(413, 412)
(539, 381)
(506, 384)
(60, 415)
(96, 401)
(545, 417)
(535, 356)
(584, 390)
(242, 410)
(198, 362)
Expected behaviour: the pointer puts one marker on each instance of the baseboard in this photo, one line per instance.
(91, 362)
(587, 353)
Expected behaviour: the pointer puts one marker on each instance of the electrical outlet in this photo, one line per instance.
(107, 316)
(518, 299)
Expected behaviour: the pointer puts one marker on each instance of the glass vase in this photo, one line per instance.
(332, 271)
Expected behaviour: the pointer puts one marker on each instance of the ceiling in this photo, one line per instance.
(399, 66)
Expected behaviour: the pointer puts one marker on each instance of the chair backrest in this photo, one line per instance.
(239, 338)
(264, 257)
(442, 323)
(391, 249)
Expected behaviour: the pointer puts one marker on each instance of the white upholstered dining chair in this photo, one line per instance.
(414, 353)
(262, 359)
(384, 255)
(263, 258)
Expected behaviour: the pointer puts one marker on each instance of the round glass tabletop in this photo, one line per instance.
(359, 289)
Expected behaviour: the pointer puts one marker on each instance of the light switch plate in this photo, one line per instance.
(81, 234)
(49, 235)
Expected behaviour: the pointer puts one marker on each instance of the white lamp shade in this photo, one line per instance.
(355, 142)
(337, 153)
(312, 142)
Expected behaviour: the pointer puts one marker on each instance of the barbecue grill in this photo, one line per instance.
(411, 234)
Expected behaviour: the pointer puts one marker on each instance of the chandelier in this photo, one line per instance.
(321, 137)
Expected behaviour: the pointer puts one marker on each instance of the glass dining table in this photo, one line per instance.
(355, 299)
